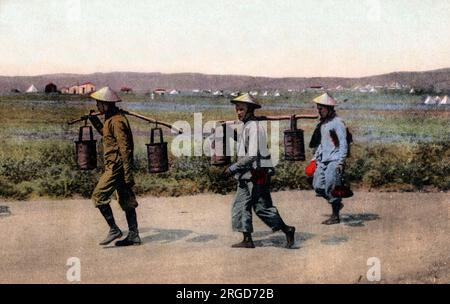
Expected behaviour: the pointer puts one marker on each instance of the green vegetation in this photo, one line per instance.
(395, 149)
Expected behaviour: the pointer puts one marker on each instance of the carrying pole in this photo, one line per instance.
(281, 117)
(148, 119)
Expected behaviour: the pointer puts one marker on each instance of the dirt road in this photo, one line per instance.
(187, 240)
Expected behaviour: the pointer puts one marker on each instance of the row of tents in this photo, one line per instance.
(437, 100)
(218, 93)
(82, 89)
(49, 88)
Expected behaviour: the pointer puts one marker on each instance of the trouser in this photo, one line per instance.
(113, 180)
(325, 178)
(248, 196)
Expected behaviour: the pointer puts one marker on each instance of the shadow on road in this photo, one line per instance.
(171, 235)
(358, 220)
(279, 239)
(203, 238)
(334, 240)
(164, 235)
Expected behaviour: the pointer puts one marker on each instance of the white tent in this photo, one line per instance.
(445, 100)
(373, 90)
(276, 94)
(174, 92)
(32, 89)
(429, 100)
(253, 93)
(437, 99)
(265, 93)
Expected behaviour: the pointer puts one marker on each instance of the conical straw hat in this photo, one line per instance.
(326, 100)
(106, 94)
(246, 98)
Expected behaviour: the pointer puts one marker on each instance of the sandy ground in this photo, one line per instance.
(187, 240)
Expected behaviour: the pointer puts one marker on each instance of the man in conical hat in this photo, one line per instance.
(253, 170)
(330, 141)
(118, 159)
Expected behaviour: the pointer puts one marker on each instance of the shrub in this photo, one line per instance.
(50, 170)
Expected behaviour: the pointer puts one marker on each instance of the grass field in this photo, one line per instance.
(400, 144)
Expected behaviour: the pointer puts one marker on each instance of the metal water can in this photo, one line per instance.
(158, 160)
(294, 142)
(86, 149)
(218, 147)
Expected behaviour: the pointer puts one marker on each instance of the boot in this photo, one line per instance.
(114, 231)
(334, 218)
(247, 242)
(290, 235)
(133, 232)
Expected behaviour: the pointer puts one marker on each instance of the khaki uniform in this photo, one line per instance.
(118, 158)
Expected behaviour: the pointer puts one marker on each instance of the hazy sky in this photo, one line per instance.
(251, 37)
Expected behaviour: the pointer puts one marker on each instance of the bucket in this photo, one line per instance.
(294, 142)
(158, 160)
(86, 150)
(218, 147)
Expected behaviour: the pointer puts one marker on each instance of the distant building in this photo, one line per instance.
(126, 89)
(159, 92)
(73, 89)
(50, 88)
(85, 88)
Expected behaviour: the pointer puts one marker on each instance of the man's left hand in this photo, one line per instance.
(226, 173)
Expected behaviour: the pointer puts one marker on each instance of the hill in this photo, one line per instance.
(144, 82)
